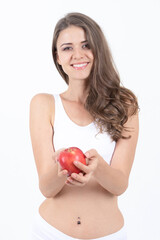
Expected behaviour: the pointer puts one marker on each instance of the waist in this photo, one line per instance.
(41, 227)
(96, 210)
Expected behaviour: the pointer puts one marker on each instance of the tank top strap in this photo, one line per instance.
(60, 114)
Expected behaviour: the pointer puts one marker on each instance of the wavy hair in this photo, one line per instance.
(108, 101)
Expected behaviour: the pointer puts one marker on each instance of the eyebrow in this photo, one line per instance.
(71, 43)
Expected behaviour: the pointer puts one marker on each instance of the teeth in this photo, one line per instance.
(80, 65)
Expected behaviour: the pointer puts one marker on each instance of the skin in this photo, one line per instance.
(90, 198)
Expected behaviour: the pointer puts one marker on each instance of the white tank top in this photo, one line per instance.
(69, 134)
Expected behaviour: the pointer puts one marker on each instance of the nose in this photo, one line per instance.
(78, 53)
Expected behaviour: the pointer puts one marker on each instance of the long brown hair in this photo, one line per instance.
(108, 101)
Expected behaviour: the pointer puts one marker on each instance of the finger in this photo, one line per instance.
(82, 166)
(69, 183)
(91, 153)
(74, 184)
(62, 172)
(78, 178)
(81, 174)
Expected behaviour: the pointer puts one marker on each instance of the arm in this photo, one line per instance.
(114, 178)
(51, 177)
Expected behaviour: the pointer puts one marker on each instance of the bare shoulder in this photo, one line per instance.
(44, 103)
(42, 98)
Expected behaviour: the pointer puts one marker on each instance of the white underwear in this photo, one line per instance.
(41, 230)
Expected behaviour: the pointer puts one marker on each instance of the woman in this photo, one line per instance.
(95, 114)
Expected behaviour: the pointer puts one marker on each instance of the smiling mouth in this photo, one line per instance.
(80, 66)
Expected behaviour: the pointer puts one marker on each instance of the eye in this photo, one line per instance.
(86, 46)
(67, 48)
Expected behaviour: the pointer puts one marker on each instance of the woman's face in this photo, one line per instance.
(74, 53)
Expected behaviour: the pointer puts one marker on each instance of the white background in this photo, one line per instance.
(26, 29)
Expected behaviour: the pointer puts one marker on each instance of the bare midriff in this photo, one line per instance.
(83, 212)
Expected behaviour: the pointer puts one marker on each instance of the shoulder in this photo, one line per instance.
(44, 103)
(42, 98)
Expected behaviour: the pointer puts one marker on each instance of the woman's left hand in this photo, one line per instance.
(92, 158)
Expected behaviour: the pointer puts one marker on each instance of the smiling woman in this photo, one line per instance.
(95, 114)
(73, 53)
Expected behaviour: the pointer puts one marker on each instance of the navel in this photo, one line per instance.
(78, 221)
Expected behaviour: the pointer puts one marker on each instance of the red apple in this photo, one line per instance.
(68, 156)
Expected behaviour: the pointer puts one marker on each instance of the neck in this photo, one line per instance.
(77, 92)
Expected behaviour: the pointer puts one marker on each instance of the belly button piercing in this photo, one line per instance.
(78, 222)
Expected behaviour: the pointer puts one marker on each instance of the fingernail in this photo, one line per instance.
(75, 162)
